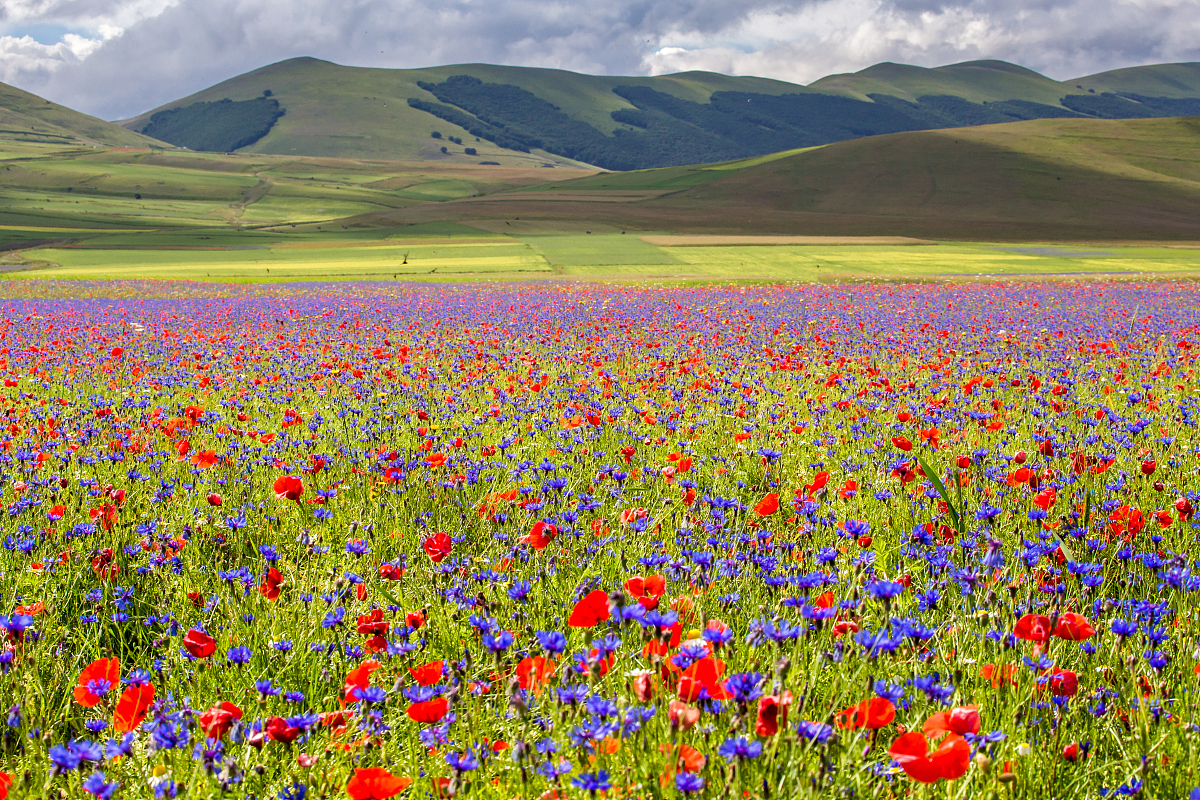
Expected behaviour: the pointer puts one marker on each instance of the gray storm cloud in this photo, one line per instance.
(117, 59)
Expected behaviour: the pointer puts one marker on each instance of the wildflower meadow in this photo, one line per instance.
(582, 541)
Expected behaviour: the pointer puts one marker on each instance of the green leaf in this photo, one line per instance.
(955, 519)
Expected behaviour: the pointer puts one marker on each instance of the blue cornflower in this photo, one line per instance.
(885, 590)
(499, 642)
(814, 731)
(593, 781)
(552, 641)
(239, 655)
(740, 748)
(63, 759)
(745, 686)
(462, 762)
(95, 785)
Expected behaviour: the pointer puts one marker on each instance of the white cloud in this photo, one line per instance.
(1064, 40)
(85, 26)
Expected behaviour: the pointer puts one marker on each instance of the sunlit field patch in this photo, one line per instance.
(374, 540)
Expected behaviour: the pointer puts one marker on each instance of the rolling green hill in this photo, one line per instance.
(976, 81)
(1162, 80)
(27, 117)
(525, 116)
(1053, 180)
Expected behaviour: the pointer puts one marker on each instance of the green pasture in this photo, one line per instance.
(56, 187)
(255, 256)
(294, 261)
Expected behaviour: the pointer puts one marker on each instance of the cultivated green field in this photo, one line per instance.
(608, 256)
(98, 213)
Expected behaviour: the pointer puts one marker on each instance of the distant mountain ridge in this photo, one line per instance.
(529, 115)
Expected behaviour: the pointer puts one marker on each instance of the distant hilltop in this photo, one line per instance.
(525, 115)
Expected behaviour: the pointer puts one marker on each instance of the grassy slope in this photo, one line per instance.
(26, 115)
(46, 187)
(1044, 179)
(358, 112)
(973, 80)
(363, 113)
(1157, 80)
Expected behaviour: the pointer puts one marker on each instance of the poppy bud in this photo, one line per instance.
(1158, 486)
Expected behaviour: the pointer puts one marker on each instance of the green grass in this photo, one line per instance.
(254, 261)
(58, 192)
(598, 250)
(360, 112)
(259, 257)
(1043, 180)
(973, 80)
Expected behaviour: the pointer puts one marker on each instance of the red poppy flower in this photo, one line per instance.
(871, 714)
(132, 707)
(772, 713)
(768, 505)
(1064, 683)
(199, 644)
(999, 676)
(358, 678)
(1073, 627)
(590, 611)
(687, 759)
(271, 583)
(217, 721)
(949, 761)
(5, 782)
(280, 730)
(428, 674)
(534, 672)
(704, 674)
(289, 487)
(428, 712)
(437, 546)
(390, 572)
(95, 675)
(681, 715)
(373, 623)
(647, 590)
(960, 720)
(541, 535)
(204, 459)
(817, 487)
(375, 783)
(1033, 628)
(902, 443)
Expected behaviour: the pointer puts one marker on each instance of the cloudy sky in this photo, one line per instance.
(117, 58)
